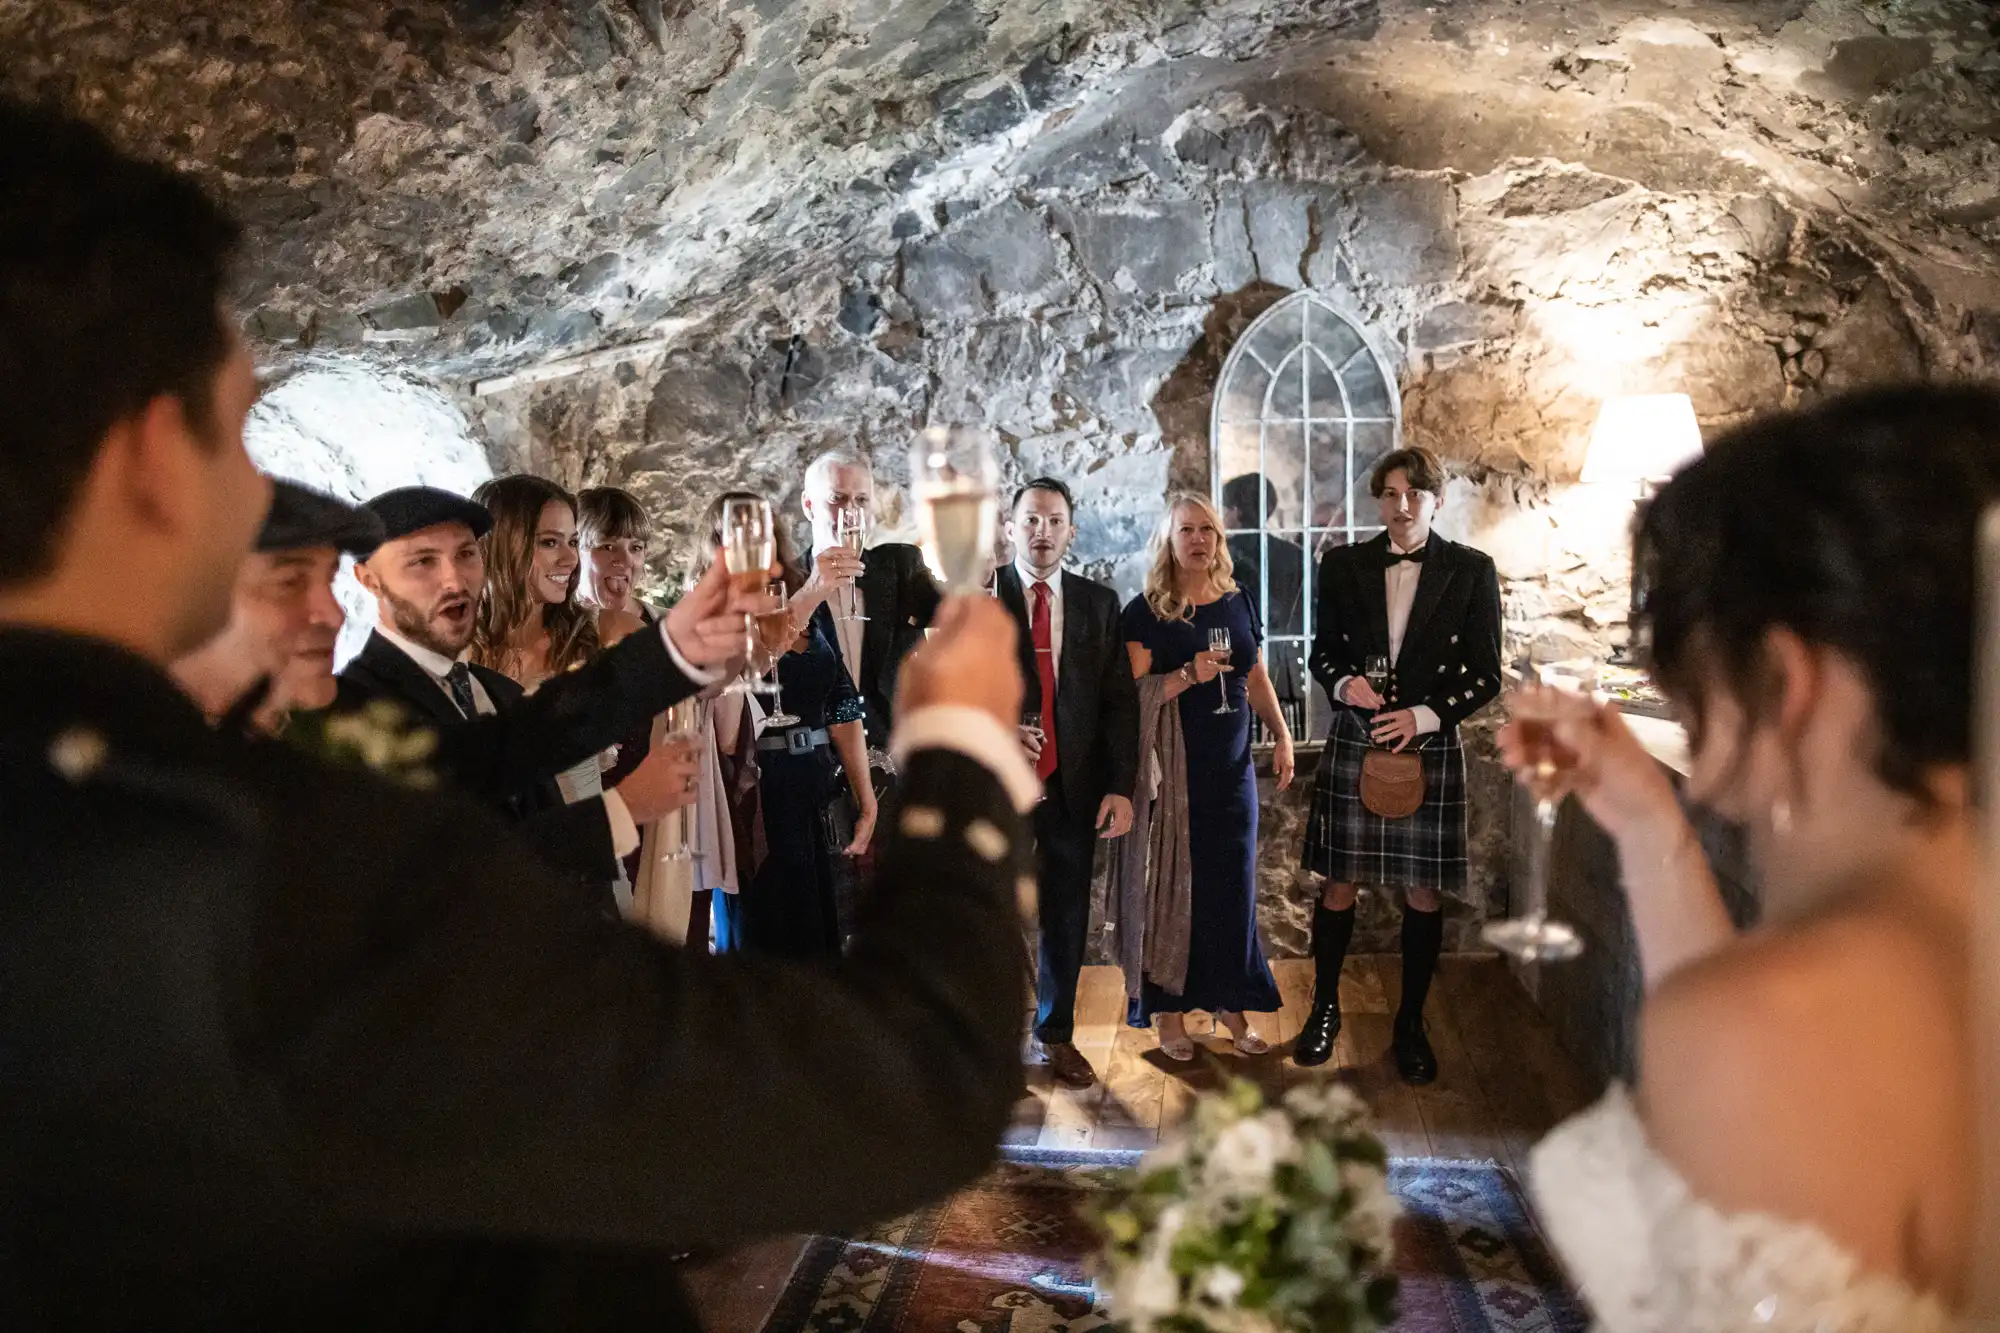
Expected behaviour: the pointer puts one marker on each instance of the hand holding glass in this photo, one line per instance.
(686, 721)
(1218, 642)
(851, 526)
(749, 542)
(1376, 673)
(1533, 937)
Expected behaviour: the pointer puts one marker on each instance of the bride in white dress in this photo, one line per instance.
(1800, 1152)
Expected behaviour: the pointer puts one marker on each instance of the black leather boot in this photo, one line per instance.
(1415, 1060)
(1332, 932)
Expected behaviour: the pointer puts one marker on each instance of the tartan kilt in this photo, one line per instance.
(1349, 845)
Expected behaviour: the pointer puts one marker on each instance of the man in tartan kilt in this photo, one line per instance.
(1431, 609)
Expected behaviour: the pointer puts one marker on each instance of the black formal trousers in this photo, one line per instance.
(1065, 850)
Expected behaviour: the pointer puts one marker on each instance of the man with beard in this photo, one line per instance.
(275, 657)
(1085, 749)
(496, 742)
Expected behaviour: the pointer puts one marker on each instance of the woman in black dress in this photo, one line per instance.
(790, 901)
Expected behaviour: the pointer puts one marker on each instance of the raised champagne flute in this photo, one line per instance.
(775, 632)
(749, 541)
(851, 526)
(953, 478)
(1533, 936)
(1218, 642)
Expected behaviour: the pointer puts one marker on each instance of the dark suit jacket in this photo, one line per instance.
(1283, 612)
(900, 599)
(1097, 701)
(1451, 648)
(510, 760)
(288, 1047)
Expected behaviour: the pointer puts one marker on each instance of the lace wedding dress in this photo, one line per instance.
(1649, 1257)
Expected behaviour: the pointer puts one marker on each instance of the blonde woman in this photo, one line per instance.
(1201, 637)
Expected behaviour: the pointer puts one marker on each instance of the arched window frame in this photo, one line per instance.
(1379, 419)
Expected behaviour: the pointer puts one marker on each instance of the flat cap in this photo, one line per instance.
(300, 517)
(409, 509)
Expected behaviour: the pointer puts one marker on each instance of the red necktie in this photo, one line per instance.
(1045, 671)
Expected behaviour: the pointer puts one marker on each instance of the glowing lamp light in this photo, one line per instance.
(1641, 440)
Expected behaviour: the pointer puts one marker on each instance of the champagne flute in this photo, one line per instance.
(1033, 722)
(749, 541)
(851, 526)
(953, 478)
(1533, 937)
(686, 721)
(775, 632)
(1376, 673)
(1218, 642)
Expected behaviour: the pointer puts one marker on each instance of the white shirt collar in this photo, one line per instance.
(1397, 550)
(436, 663)
(1029, 579)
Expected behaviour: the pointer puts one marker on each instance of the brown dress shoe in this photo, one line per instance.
(1068, 1066)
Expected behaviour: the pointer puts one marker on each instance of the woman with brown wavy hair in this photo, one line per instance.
(530, 625)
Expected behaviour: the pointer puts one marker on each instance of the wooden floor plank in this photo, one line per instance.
(736, 1292)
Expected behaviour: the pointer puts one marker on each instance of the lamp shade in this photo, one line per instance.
(1641, 438)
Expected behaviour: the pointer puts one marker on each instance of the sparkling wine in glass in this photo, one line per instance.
(749, 541)
(1376, 673)
(953, 477)
(1533, 937)
(775, 632)
(1218, 642)
(851, 526)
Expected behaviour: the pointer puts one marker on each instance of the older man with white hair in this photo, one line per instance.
(882, 598)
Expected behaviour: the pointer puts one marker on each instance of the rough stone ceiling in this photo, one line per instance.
(475, 187)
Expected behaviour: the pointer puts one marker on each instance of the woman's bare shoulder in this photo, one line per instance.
(1814, 1072)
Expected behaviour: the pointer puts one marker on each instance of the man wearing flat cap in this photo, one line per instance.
(276, 653)
(497, 743)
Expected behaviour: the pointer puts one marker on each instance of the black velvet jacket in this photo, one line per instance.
(1451, 648)
(289, 1047)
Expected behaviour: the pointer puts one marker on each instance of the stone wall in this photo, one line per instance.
(709, 240)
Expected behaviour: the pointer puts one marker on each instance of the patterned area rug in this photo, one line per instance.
(1008, 1255)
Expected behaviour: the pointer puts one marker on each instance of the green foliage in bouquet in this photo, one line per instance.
(1256, 1218)
(378, 736)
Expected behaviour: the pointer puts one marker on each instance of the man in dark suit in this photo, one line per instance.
(889, 584)
(427, 577)
(1430, 609)
(291, 1047)
(1085, 745)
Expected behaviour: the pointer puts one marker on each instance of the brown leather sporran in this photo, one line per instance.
(1392, 784)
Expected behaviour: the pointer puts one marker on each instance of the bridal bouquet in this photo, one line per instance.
(1257, 1218)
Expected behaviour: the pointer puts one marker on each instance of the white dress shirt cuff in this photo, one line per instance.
(1427, 721)
(624, 833)
(978, 736)
(699, 675)
(1340, 689)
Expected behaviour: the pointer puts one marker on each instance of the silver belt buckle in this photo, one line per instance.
(799, 740)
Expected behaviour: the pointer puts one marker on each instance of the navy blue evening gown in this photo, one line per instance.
(1226, 971)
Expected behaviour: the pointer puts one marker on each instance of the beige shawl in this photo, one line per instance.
(1150, 905)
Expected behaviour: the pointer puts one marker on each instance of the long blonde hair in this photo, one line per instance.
(1163, 585)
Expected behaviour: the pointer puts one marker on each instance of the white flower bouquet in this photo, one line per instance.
(1257, 1218)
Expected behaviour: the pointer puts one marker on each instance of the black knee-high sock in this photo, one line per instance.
(1332, 933)
(1423, 940)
